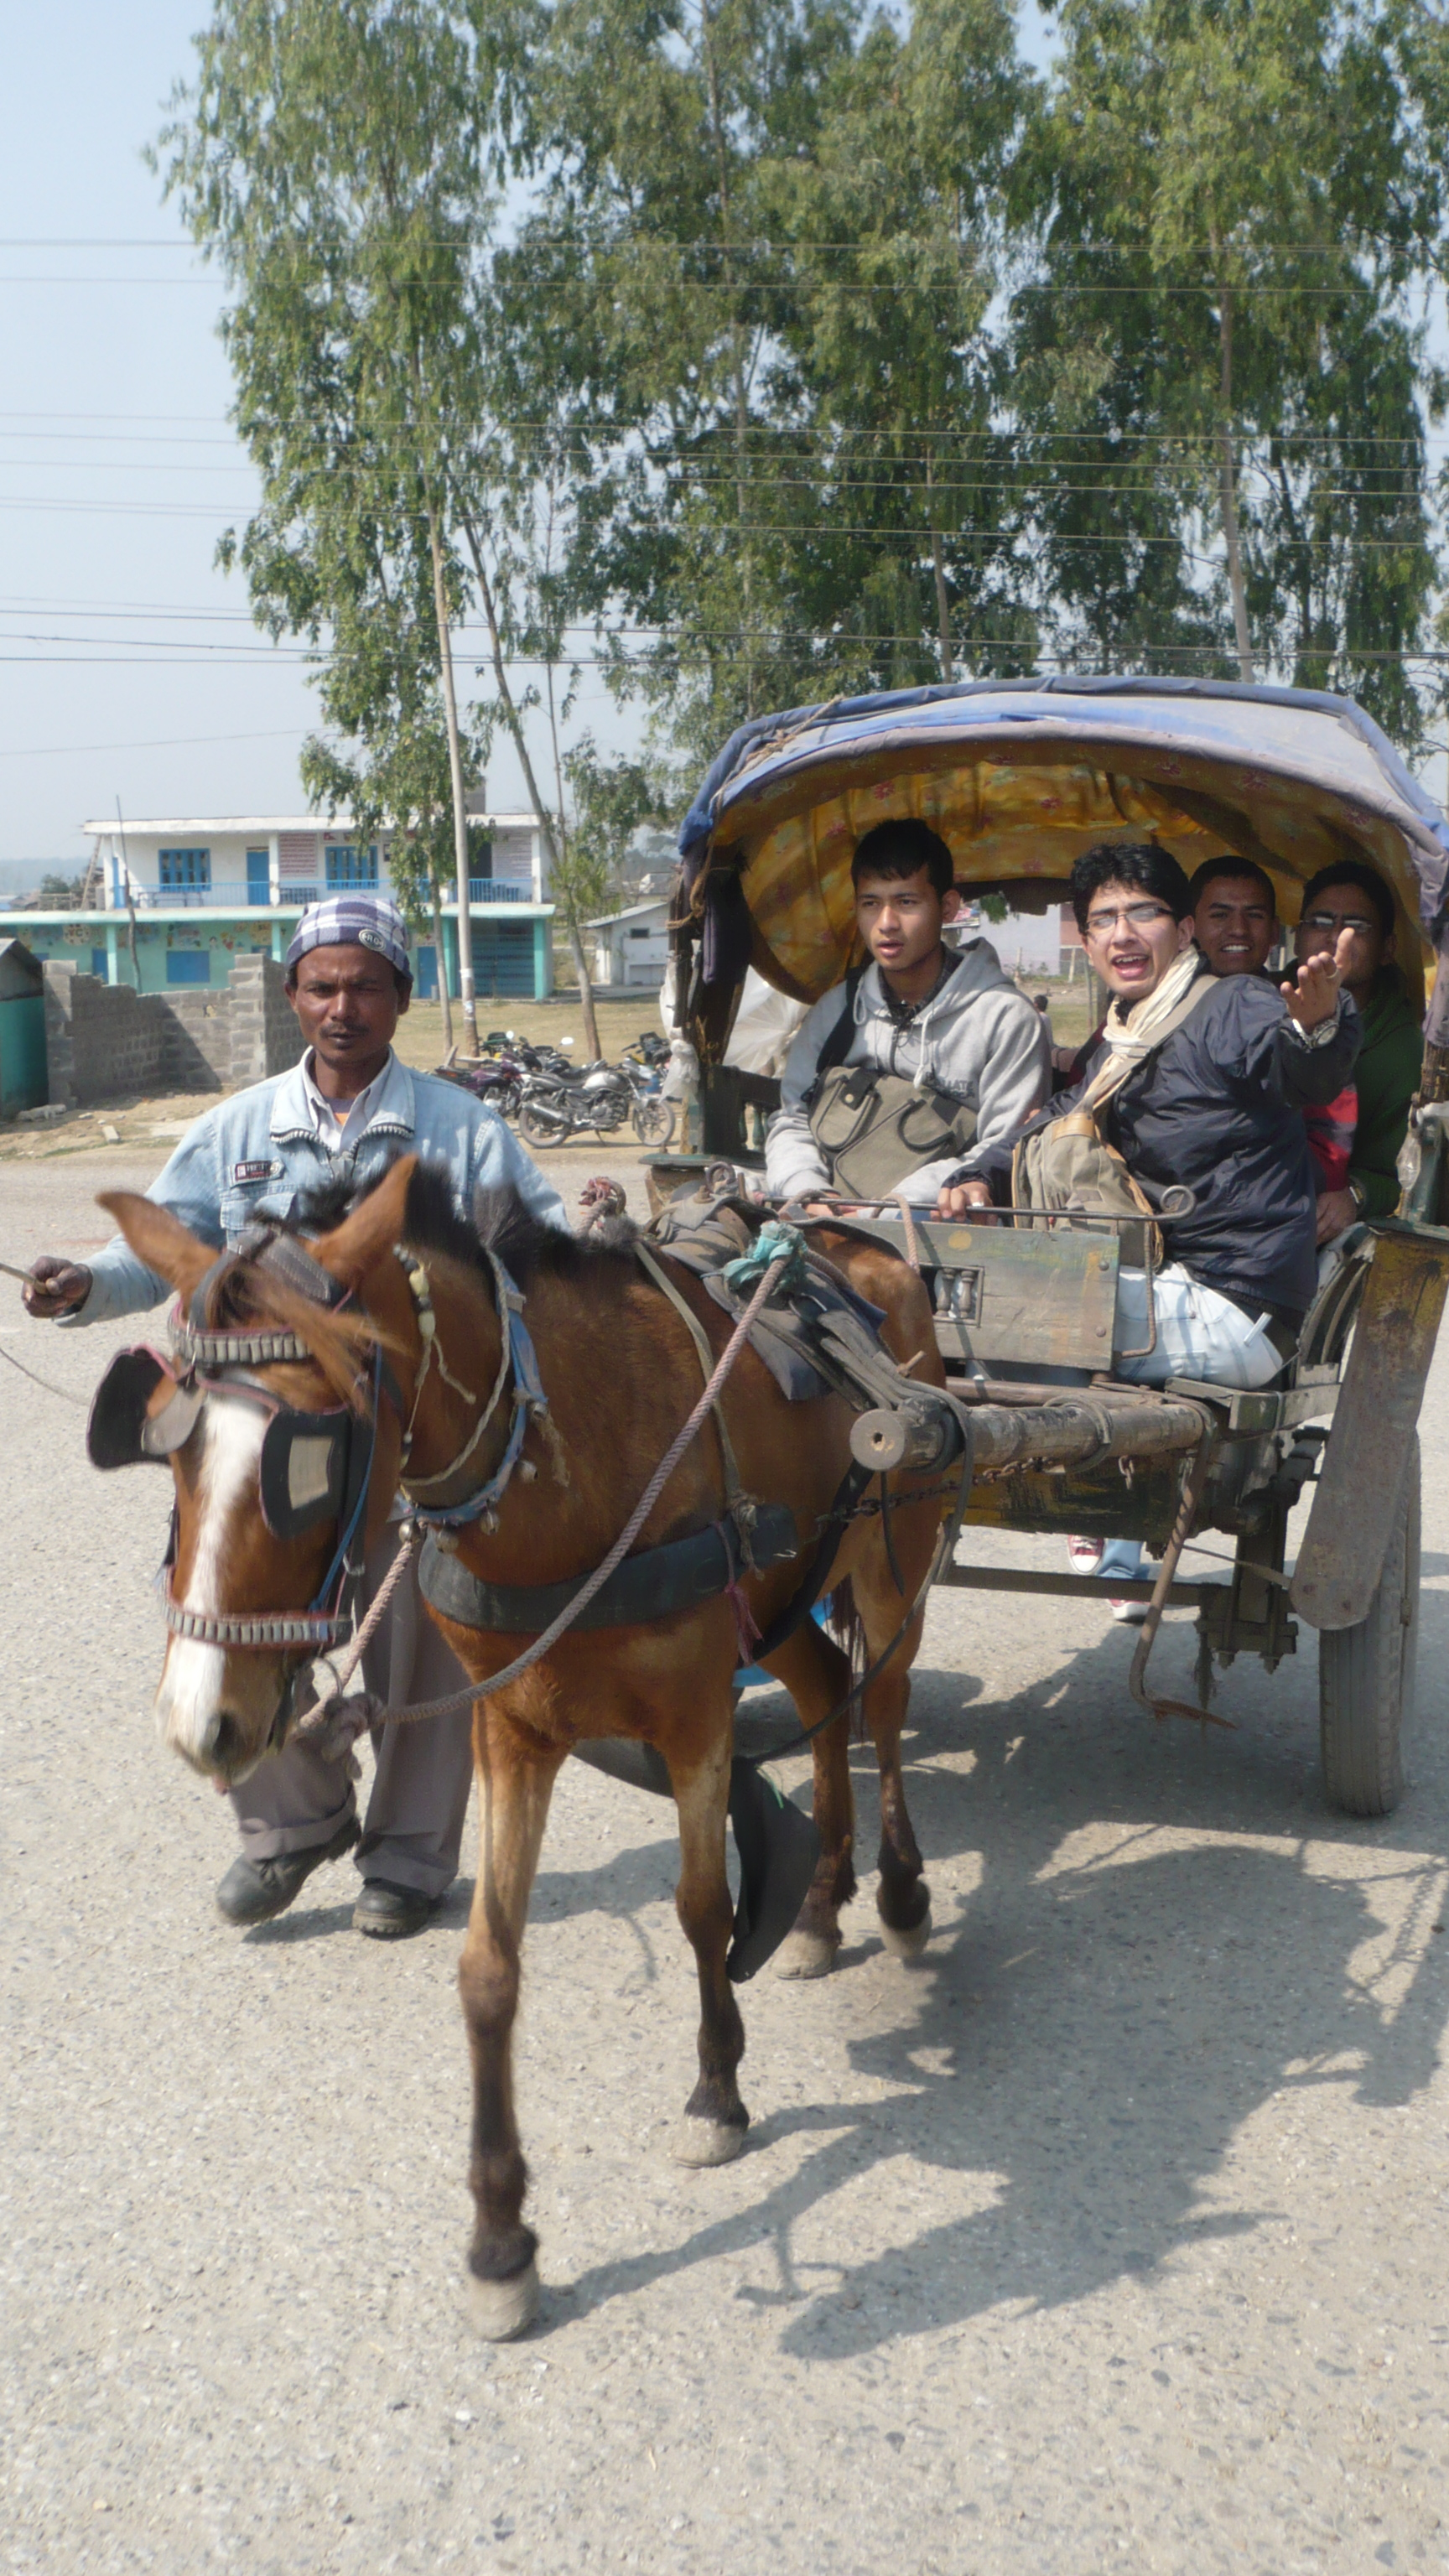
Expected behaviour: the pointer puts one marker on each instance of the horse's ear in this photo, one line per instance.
(159, 1239)
(367, 1236)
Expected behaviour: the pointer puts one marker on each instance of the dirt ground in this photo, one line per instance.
(1111, 2234)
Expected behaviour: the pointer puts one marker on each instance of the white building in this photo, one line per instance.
(631, 948)
(201, 886)
(240, 861)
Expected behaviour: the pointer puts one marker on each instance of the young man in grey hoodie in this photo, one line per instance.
(949, 1021)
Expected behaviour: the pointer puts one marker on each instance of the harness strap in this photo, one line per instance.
(265, 1631)
(652, 1585)
(446, 1500)
(734, 1489)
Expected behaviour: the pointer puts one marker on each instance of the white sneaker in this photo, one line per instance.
(1132, 1614)
(1084, 1555)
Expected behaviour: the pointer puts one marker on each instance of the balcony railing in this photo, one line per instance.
(237, 894)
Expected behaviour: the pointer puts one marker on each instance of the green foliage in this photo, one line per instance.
(1236, 201)
(828, 349)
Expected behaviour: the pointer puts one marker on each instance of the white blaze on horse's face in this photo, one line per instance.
(214, 1706)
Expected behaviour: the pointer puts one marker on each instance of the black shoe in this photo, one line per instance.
(392, 1913)
(254, 1890)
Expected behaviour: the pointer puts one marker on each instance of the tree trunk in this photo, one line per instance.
(569, 892)
(943, 598)
(440, 952)
(455, 773)
(1228, 485)
(742, 412)
(514, 723)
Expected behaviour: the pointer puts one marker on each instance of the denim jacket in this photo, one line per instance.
(257, 1154)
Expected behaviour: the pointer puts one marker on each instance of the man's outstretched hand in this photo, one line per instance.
(60, 1286)
(965, 1203)
(1311, 993)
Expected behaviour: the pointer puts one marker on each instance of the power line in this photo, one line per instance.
(602, 425)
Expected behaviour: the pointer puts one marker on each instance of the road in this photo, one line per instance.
(1111, 2234)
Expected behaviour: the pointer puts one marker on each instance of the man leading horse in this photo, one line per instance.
(346, 1111)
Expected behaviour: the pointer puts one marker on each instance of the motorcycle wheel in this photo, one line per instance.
(541, 1124)
(654, 1122)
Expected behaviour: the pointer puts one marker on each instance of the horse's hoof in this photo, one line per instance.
(805, 1954)
(907, 1945)
(499, 2310)
(706, 2142)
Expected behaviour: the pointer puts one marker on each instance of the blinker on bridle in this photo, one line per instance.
(313, 1466)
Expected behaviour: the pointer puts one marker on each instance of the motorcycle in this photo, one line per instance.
(596, 1101)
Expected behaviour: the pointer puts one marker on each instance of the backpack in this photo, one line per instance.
(876, 1128)
(1068, 1169)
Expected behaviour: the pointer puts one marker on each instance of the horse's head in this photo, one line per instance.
(282, 1464)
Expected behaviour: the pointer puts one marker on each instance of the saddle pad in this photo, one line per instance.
(803, 1336)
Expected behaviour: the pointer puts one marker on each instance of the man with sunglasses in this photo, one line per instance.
(1199, 1079)
(1348, 906)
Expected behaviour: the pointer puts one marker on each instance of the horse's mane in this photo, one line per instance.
(248, 1296)
(504, 1226)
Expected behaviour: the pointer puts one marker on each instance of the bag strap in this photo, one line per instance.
(837, 1042)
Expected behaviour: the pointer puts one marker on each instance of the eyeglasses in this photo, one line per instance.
(1141, 916)
(1337, 921)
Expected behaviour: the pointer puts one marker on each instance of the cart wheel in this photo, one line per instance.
(1366, 1675)
(654, 1121)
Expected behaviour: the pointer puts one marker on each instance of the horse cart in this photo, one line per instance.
(1018, 778)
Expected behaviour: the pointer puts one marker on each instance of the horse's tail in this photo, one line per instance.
(848, 1628)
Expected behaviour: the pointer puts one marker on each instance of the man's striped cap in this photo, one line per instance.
(354, 921)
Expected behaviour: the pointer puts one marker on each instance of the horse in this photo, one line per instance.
(412, 1284)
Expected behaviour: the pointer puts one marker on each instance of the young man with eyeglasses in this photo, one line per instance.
(1348, 906)
(1199, 1080)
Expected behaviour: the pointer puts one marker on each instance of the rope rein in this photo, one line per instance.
(334, 1725)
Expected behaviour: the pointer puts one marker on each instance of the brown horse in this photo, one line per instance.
(621, 1376)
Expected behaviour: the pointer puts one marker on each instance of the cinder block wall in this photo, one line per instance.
(105, 1042)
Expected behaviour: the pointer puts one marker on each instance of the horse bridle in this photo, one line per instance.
(308, 1474)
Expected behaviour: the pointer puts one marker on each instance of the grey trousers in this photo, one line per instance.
(414, 1823)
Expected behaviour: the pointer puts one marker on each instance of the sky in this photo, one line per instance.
(132, 669)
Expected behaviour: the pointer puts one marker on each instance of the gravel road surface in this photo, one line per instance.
(1110, 2234)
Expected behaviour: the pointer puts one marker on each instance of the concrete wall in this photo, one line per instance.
(105, 1041)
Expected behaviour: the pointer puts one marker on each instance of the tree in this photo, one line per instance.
(901, 222)
(336, 157)
(1222, 376)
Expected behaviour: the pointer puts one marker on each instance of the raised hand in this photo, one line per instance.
(1312, 993)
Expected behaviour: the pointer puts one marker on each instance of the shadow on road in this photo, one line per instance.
(1080, 2046)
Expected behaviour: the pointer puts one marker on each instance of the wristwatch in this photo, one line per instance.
(1359, 1196)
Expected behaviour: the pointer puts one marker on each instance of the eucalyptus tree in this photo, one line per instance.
(647, 297)
(902, 224)
(1223, 376)
(337, 157)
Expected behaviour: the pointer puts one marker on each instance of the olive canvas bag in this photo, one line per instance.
(875, 1128)
(1069, 1169)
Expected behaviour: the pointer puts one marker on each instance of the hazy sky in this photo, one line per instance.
(132, 666)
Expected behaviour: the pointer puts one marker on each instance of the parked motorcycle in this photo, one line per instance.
(595, 1101)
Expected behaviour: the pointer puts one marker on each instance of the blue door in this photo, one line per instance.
(259, 876)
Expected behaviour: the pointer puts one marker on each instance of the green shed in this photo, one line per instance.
(24, 1075)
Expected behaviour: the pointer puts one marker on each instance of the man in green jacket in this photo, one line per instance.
(1353, 896)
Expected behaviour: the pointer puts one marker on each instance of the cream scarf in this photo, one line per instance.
(1132, 1034)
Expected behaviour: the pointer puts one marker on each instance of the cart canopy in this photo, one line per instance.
(1018, 777)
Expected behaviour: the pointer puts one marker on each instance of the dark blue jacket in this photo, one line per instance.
(1218, 1108)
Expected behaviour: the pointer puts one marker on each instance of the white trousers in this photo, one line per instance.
(1199, 1333)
